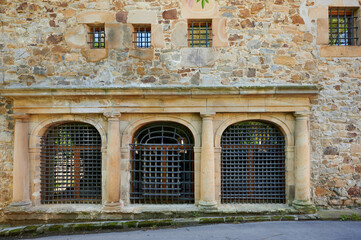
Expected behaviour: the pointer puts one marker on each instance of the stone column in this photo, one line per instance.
(21, 187)
(302, 162)
(113, 201)
(208, 196)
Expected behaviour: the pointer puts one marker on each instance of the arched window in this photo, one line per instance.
(253, 163)
(162, 165)
(71, 164)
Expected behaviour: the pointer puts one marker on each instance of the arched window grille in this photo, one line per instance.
(71, 164)
(253, 164)
(162, 165)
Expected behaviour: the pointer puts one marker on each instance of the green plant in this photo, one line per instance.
(343, 218)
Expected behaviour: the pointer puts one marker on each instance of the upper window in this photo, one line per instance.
(200, 33)
(71, 164)
(96, 36)
(142, 36)
(342, 26)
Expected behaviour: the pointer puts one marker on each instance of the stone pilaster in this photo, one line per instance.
(113, 189)
(302, 163)
(21, 186)
(208, 196)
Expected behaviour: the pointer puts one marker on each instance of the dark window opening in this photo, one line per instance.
(200, 33)
(96, 37)
(142, 36)
(162, 165)
(342, 26)
(71, 164)
(253, 164)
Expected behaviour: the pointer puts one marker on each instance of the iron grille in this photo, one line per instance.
(253, 164)
(200, 33)
(342, 26)
(162, 166)
(71, 161)
(96, 37)
(142, 36)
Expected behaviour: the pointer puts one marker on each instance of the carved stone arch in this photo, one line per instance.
(283, 127)
(39, 130)
(36, 134)
(136, 125)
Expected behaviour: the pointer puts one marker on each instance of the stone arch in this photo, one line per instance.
(283, 127)
(35, 148)
(138, 124)
(42, 127)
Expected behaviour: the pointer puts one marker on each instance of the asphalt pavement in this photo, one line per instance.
(297, 230)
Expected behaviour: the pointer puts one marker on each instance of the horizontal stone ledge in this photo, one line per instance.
(310, 90)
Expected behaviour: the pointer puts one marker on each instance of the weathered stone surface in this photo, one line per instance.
(199, 57)
(170, 14)
(157, 37)
(284, 60)
(95, 55)
(54, 39)
(142, 17)
(121, 17)
(354, 191)
(144, 54)
(77, 37)
(180, 34)
(95, 17)
(113, 31)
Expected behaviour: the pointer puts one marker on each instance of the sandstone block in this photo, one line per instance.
(320, 192)
(69, 12)
(198, 57)
(95, 17)
(180, 34)
(347, 169)
(144, 54)
(257, 7)
(285, 60)
(322, 31)
(113, 33)
(340, 51)
(318, 12)
(121, 17)
(77, 37)
(95, 55)
(354, 191)
(170, 14)
(142, 16)
(297, 19)
(356, 148)
(157, 37)
(220, 38)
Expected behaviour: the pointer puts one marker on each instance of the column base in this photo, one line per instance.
(304, 206)
(24, 205)
(207, 206)
(112, 206)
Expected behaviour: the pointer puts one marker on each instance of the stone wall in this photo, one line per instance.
(270, 42)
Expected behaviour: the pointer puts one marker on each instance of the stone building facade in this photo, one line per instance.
(270, 63)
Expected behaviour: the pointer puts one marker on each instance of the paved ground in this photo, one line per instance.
(298, 230)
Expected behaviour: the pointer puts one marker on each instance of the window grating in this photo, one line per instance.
(142, 36)
(253, 164)
(70, 165)
(342, 26)
(162, 165)
(96, 37)
(200, 33)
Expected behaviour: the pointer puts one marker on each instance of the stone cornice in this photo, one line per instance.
(310, 90)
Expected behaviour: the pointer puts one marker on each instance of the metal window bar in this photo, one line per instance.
(342, 26)
(200, 33)
(162, 165)
(253, 164)
(142, 36)
(70, 167)
(97, 37)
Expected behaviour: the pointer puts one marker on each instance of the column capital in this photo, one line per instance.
(112, 115)
(304, 114)
(20, 116)
(207, 115)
